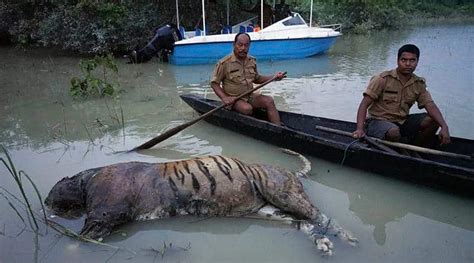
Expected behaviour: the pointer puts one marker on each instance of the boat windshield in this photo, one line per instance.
(295, 20)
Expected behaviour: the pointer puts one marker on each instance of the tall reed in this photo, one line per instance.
(32, 216)
(18, 178)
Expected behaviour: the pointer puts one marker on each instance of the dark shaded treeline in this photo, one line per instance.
(95, 27)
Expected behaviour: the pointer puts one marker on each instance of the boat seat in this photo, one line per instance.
(249, 28)
(241, 29)
(227, 30)
(198, 32)
(182, 31)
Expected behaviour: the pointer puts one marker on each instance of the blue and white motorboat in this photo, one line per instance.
(289, 38)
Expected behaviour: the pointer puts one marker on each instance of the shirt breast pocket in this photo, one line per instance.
(390, 98)
(235, 76)
(410, 97)
(250, 73)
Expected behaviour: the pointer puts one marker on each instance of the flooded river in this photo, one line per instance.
(49, 136)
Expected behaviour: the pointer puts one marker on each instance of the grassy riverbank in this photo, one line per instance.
(90, 27)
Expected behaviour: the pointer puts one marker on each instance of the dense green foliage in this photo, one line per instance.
(85, 27)
(100, 27)
(365, 15)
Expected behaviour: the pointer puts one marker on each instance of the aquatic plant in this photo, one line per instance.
(167, 247)
(18, 177)
(91, 84)
(32, 217)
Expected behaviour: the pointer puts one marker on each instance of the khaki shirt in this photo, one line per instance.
(392, 99)
(236, 77)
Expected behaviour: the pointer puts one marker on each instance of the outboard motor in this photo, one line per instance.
(163, 40)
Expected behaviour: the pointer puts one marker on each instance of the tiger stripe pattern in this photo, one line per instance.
(205, 186)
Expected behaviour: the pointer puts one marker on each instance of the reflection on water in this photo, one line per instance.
(394, 200)
(50, 136)
(199, 74)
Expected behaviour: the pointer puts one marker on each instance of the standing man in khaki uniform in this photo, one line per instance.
(388, 99)
(236, 74)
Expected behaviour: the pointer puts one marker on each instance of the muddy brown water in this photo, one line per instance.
(50, 136)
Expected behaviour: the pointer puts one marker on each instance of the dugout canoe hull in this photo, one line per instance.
(447, 173)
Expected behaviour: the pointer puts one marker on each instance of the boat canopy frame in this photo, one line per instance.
(203, 5)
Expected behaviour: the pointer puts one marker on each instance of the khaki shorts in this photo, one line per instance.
(250, 98)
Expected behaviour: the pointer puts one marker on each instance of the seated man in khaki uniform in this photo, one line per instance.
(389, 97)
(237, 72)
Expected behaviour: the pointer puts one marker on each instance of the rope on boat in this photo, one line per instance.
(347, 148)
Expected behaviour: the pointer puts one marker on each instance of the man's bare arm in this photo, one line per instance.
(436, 115)
(279, 76)
(226, 99)
(361, 116)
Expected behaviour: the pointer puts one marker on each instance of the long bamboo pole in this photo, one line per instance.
(400, 145)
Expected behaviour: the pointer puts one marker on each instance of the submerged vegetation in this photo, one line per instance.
(19, 176)
(24, 205)
(98, 82)
(91, 84)
(100, 27)
(39, 223)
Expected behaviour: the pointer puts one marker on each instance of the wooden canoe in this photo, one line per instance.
(300, 134)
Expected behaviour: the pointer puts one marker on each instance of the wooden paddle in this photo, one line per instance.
(398, 145)
(183, 126)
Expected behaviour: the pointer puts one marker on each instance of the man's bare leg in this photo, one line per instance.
(393, 135)
(267, 103)
(243, 107)
(427, 133)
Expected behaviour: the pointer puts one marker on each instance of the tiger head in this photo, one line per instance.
(67, 197)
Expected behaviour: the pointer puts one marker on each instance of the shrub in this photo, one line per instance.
(92, 84)
(99, 28)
